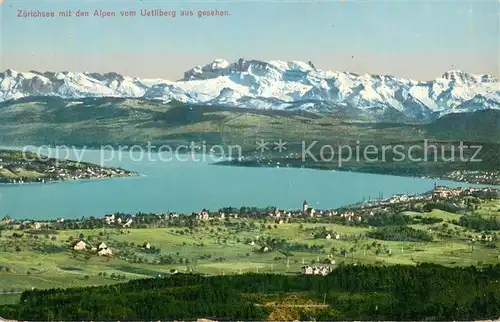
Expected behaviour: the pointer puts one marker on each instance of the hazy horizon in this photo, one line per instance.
(416, 40)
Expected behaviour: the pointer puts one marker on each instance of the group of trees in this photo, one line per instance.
(395, 293)
(281, 244)
(479, 223)
(444, 206)
(399, 219)
(400, 233)
(112, 276)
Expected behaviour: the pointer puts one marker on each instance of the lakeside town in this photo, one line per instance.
(19, 168)
(354, 212)
(473, 177)
(349, 212)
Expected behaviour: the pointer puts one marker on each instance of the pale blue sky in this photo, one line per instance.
(418, 39)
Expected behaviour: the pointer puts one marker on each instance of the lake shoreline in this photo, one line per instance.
(59, 181)
(22, 167)
(256, 164)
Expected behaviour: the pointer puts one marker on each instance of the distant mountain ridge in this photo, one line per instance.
(275, 85)
(481, 126)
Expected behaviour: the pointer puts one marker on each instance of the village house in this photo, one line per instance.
(399, 199)
(147, 245)
(350, 216)
(80, 245)
(128, 223)
(308, 270)
(485, 193)
(6, 220)
(330, 261)
(331, 213)
(203, 215)
(311, 212)
(275, 214)
(60, 220)
(171, 215)
(484, 238)
(265, 249)
(109, 219)
(103, 250)
(444, 192)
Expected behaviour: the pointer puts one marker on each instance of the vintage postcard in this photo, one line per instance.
(240, 160)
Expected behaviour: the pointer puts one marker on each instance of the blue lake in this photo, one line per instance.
(186, 186)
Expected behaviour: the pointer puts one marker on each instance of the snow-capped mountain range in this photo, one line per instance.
(280, 85)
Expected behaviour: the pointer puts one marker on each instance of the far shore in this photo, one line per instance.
(479, 178)
(8, 184)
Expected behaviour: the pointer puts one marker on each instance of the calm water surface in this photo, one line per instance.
(185, 186)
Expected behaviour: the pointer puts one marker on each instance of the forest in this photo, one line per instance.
(350, 292)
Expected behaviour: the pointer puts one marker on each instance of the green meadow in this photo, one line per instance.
(229, 246)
